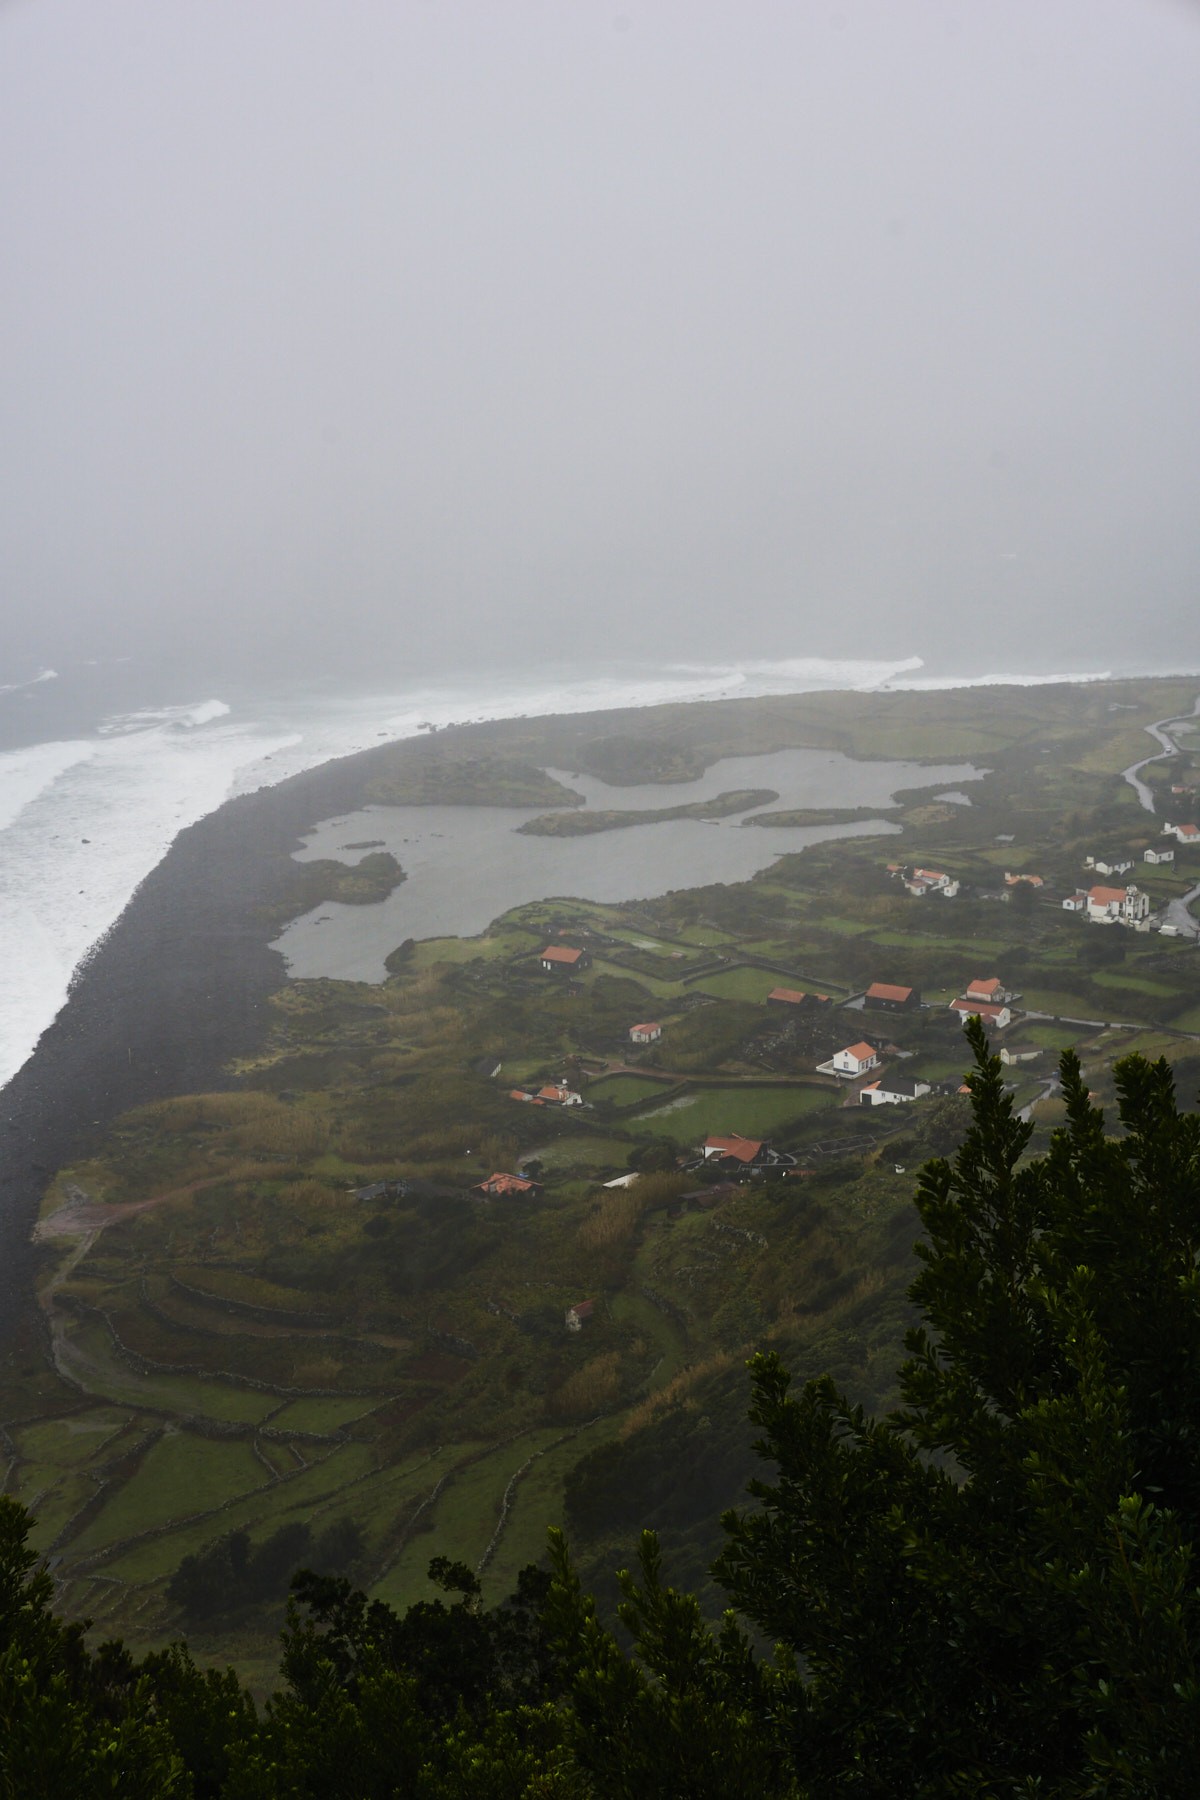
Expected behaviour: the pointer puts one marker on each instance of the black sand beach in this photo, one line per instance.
(175, 992)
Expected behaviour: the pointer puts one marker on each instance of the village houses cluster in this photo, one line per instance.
(1104, 903)
(862, 1063)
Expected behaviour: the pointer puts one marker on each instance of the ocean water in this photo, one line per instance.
(91, 799)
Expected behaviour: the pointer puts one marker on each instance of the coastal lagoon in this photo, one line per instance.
(465, 865)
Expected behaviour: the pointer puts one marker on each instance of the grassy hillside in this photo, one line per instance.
(244, 1345)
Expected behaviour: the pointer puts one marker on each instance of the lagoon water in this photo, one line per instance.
(466, 865)
(102, 765)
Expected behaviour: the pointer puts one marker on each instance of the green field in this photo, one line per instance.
(1133, 984)
(584, 1151)
(745, 1111)
(744, 984)
(448, 1314)
(319, 1414)
(624, 1090)
(180, 1476)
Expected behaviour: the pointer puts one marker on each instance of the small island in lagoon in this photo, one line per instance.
(281, 1286)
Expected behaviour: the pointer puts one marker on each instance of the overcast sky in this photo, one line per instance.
(390, 333)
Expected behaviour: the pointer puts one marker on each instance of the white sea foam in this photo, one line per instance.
(15, 687)
(942, 683)
(82, 823)
(24, 774)
(184, 717)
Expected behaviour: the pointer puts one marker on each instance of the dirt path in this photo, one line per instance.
(79, 1214)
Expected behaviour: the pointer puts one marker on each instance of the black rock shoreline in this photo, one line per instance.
(173, 993)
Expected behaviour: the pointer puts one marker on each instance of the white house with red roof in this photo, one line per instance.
(576, 1316)
(1183, 834)
(931, 881)
(854, 1060)
(991, 991)
(1117, 906)
(649, 1033)
(998, 1018)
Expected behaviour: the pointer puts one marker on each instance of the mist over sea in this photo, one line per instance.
(103, 764)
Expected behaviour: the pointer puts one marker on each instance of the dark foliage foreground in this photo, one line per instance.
(990, 1593)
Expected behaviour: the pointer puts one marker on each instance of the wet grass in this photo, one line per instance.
(180, 1475)
(745, 1111)
(624, 1090)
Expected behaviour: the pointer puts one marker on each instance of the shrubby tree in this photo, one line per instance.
(992, 1591)
(71, 1722)
(989, 1593)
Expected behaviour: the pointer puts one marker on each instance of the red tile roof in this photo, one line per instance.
(985, 987)
(558, 953)
(650, 1025)
(1106, 896)
(500, 1183)
(967, 1007)
(793, 996)
(742, 1149)
(880, 990)
(861, 1051)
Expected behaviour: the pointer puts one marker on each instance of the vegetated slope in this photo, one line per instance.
(246, 1344)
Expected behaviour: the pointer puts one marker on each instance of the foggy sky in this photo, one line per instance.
(378, 334)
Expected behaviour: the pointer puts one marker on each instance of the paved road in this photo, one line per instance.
(1178, 912)
(1169, 747)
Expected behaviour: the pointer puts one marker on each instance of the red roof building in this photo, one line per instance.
(501, 1186)
(998, 1017)
(991, 992)
(738, 1149)
(883, 993)
(558, 956)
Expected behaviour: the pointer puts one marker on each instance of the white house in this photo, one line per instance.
(559, 1095)
(855, 1059)
(998, 1018)
(1075, 902)
(1116, 906)
(992, 991)
(931, 881)
(892, 1090)
(1158, 856)
(1109, 865)
(645, 1034)
(1183, 834)
(1019, 1053)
